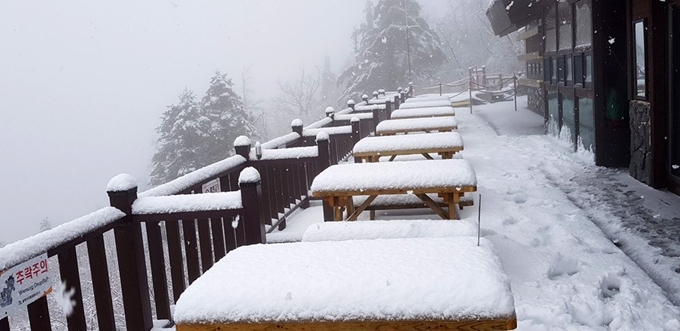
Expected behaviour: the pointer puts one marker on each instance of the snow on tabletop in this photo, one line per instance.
(435, 140)
(417, 124)
(195, 177)
(249, 175)
(280, 141)
(423, 112)
(242, 141)
(296, 122)
(345, 129)
(425, 104)
(185, 203)
(395, 176)
(391, 229)
(322, 136)
(426, 98)
(395, 279)
(28, 248)
(287, 153)
(120, 183)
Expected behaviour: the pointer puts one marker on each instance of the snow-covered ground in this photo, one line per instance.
(586, 248)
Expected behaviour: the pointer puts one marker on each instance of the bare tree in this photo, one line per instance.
(299, 97)
(251, 104)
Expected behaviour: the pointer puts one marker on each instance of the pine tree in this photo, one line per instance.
(45, 225)
(181, 147)
(329, 88)
(385, 55)
(228, 118)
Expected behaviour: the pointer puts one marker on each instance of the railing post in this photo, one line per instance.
(253, 217)
(375, 94)
(397, 103)
(376, 117)
(365, 98)
(322, 142)
(402, 96)
(500, 81)
(351, 104)
(356, 132)
(296, 125)
(484, 77)
(388, 109)
(122, 191)
(242, 146)
(330, 112)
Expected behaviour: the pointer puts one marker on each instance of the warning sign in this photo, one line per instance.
(212, 186)
(23, 284)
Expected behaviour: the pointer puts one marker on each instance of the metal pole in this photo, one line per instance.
(514, 80)
(479, 219)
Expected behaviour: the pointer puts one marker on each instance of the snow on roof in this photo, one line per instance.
(296, 122)
(187, 203)
(242, 141)
(40, 243)
(345, 129)
(195, 177)
(395, 279)
(423, 112)
(395, 176)
(426, 141)
(249, 175)
(121, 182)
(391, 229)
(286, 153)
(417, 124)
(424, 104)
(280, 141)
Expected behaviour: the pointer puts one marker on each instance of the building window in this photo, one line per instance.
(553, 114)
(588, 70)
(568, 70)
(640, 75)
(568, 114)
(551, 30)
(584, 23)
(553, 71)
(586, 128)
(564, 22)
(578, 70)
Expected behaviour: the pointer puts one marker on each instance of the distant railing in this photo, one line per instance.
(181, 228)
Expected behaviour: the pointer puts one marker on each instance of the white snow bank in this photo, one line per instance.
(286, 153)
(386, 176)
(187, 203)
(195, 177)
(423, 112)
(40, 243)
(417, 125)
(415, 142)
(242, 141)
(339, 231)
(121, 183)
(249, 175)
(425, 104)
(396, 279)
(345, 129)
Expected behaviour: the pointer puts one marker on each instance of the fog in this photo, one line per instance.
(83, 84)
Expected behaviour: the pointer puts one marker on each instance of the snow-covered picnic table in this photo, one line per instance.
(424, 104)
(427, 97)
(449, 179)
(359, 285)
(444, 143)
(407, 125)
(423, 112)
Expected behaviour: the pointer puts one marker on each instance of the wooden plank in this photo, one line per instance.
(101, 284)
(39, 315)
(157, 261)
(191, 249)
(321, 194)
(509, 323)
(205, 244)
(4, 324)
(68, 269)
(176, 259)
(355, 214)
(217, 238)
(433, 205)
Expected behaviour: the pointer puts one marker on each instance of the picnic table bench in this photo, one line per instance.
(408, 125)
(443, 143)
(449, 179)
(358, 285)
(423, 112)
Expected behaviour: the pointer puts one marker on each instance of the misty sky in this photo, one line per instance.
(83, 84)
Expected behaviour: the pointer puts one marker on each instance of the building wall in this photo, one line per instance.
(640, 142)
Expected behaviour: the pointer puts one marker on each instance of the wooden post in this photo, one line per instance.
(322, 142)
(4, 324)
(253, 217)
(388, 109)
(242, 146)
(514, 83)
(500, 81)
(356, 132)
(297, 126)
(350, 104)
(470, 90)
(365, 98)
(396, 103)
(484, 77)
(131, 263)
(68, 269)
(39, 315)
(402, 97)
(376, 117)
(101, 285)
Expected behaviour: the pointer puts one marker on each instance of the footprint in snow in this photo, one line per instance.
(562, 265)
(610, 286)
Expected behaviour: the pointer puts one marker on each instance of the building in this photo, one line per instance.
(606, 71)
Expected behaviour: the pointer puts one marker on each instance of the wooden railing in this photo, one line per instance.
(178, 245)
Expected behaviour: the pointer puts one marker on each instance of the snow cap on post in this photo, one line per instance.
(258, 150)
(322, 136)
(121, 183)
(350, 103)
(330, 111)
(375, 94)
(354, 119)
(381, 91)
(296, 122)
(249, 176)
(242, 141)
(364, 97)
(399, 89)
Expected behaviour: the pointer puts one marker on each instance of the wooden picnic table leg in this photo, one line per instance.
(349, 204)
(434, 206)
(392, 158)
(453, 206)
(428, 156)
(353, 216)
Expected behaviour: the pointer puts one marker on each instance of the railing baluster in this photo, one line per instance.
(68, 269)
(101, 284)
(229, 234)
(206, 244)
(191, 249)
(266, 196)
(217, 238)
(271, 192)
(279, 191)
(39, 315)
(176, 260)
(157, 259)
